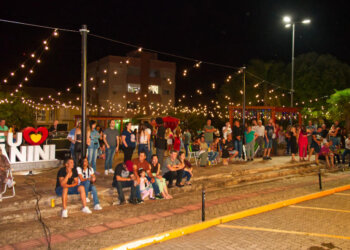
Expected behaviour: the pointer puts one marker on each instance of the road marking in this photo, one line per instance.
(285, 231)
(322, 208)
(342, 194)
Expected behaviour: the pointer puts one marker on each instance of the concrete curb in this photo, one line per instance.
(143, 242)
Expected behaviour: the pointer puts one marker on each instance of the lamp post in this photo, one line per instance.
(290, 23)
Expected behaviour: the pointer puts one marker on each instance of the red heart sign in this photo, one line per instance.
(35, 136)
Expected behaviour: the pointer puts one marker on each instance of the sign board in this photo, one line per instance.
(35, 152)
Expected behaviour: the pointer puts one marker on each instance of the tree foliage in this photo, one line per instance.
(340, 106)
(15, 112)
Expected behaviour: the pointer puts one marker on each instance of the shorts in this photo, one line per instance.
(268, 144)
(71, 190)
(316, 147)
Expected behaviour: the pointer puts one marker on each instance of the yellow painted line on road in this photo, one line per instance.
(345, 194)
(135, 244)
(322, 208)
(286, 231)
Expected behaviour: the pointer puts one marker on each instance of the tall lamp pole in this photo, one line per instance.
(83, 32)
(290, 23)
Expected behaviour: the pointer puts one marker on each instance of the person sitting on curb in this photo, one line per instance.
(124, 178)
(228, 152)
(187, 169)
(327, 154)
(172, 169)
(141, 163)
(67, 184)
(87, 178)
(161, 182)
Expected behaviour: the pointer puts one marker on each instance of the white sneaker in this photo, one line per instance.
(111, 171)
(106, 172)
(87, 200)
(86, 210)
(64, 213)
(97, 207)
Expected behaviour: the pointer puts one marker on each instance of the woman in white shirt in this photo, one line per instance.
(143, 140)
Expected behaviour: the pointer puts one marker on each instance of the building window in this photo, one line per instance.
(154, 73)
(132, 105)
(166, 92)
(134, 88)
(52, 115)
(41, 115)
(133, 71)
(153, 89)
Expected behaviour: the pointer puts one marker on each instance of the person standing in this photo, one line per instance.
(93, 144)
(347, 149)
(250, 137)
(209, 132)
(149, 129)
(238, 138)
(293, 143)
(143, 140)
(111, 140)
(269, 131)
(226, 130)
(71, 138)
(187, 140)
(302, 142)
(4, 129)
(161, 142)
(53, 129)
(309, 130)
(128, 141)
(260, 131)
(315, 144)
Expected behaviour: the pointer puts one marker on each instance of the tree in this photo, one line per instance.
(15, 112)
(340, 106)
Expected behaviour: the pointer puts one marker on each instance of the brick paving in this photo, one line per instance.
(286, 228)
(99, 229)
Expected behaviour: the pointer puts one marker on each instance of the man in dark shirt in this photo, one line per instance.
(67, 184)
(141, 163)
(238, 138)
(324, 131)
(269, 131)
(123, 178)
(161, 143)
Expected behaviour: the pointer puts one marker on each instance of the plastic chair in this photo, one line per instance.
(9, 175)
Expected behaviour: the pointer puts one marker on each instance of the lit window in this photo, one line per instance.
(153, 89)
(134, 88)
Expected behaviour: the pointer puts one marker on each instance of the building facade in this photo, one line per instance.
(134, 85)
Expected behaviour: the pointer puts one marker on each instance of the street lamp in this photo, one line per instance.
(290, 23)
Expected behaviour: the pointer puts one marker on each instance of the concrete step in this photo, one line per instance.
(24, 210)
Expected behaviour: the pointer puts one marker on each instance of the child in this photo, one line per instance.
(145, 186)
(250, 137)
(327, 154)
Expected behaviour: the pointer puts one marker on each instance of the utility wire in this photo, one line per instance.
(39, 26)
(166, 53)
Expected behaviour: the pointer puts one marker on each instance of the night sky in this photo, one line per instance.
(225, 32)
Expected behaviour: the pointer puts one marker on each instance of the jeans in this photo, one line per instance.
(346, 152)
(90, 188)
(128, 153)
(274, 146)
(71, 190)
(187, 175)
(171, 175)
(92, 156)
(212, 155)
(238, 147)
(186, 149)
(260, 141)
(109, 157)
(160, 155)
(154, 185)
(71, 149)
(250, 149)
(336, 141)
(135, 191)
(150, 152)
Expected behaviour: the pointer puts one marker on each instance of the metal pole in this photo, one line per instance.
(83, 32)
(203, 204)
(243, 111)
(320, 179)
(292, 78)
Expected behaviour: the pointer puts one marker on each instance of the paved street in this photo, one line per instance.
(316, 224)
